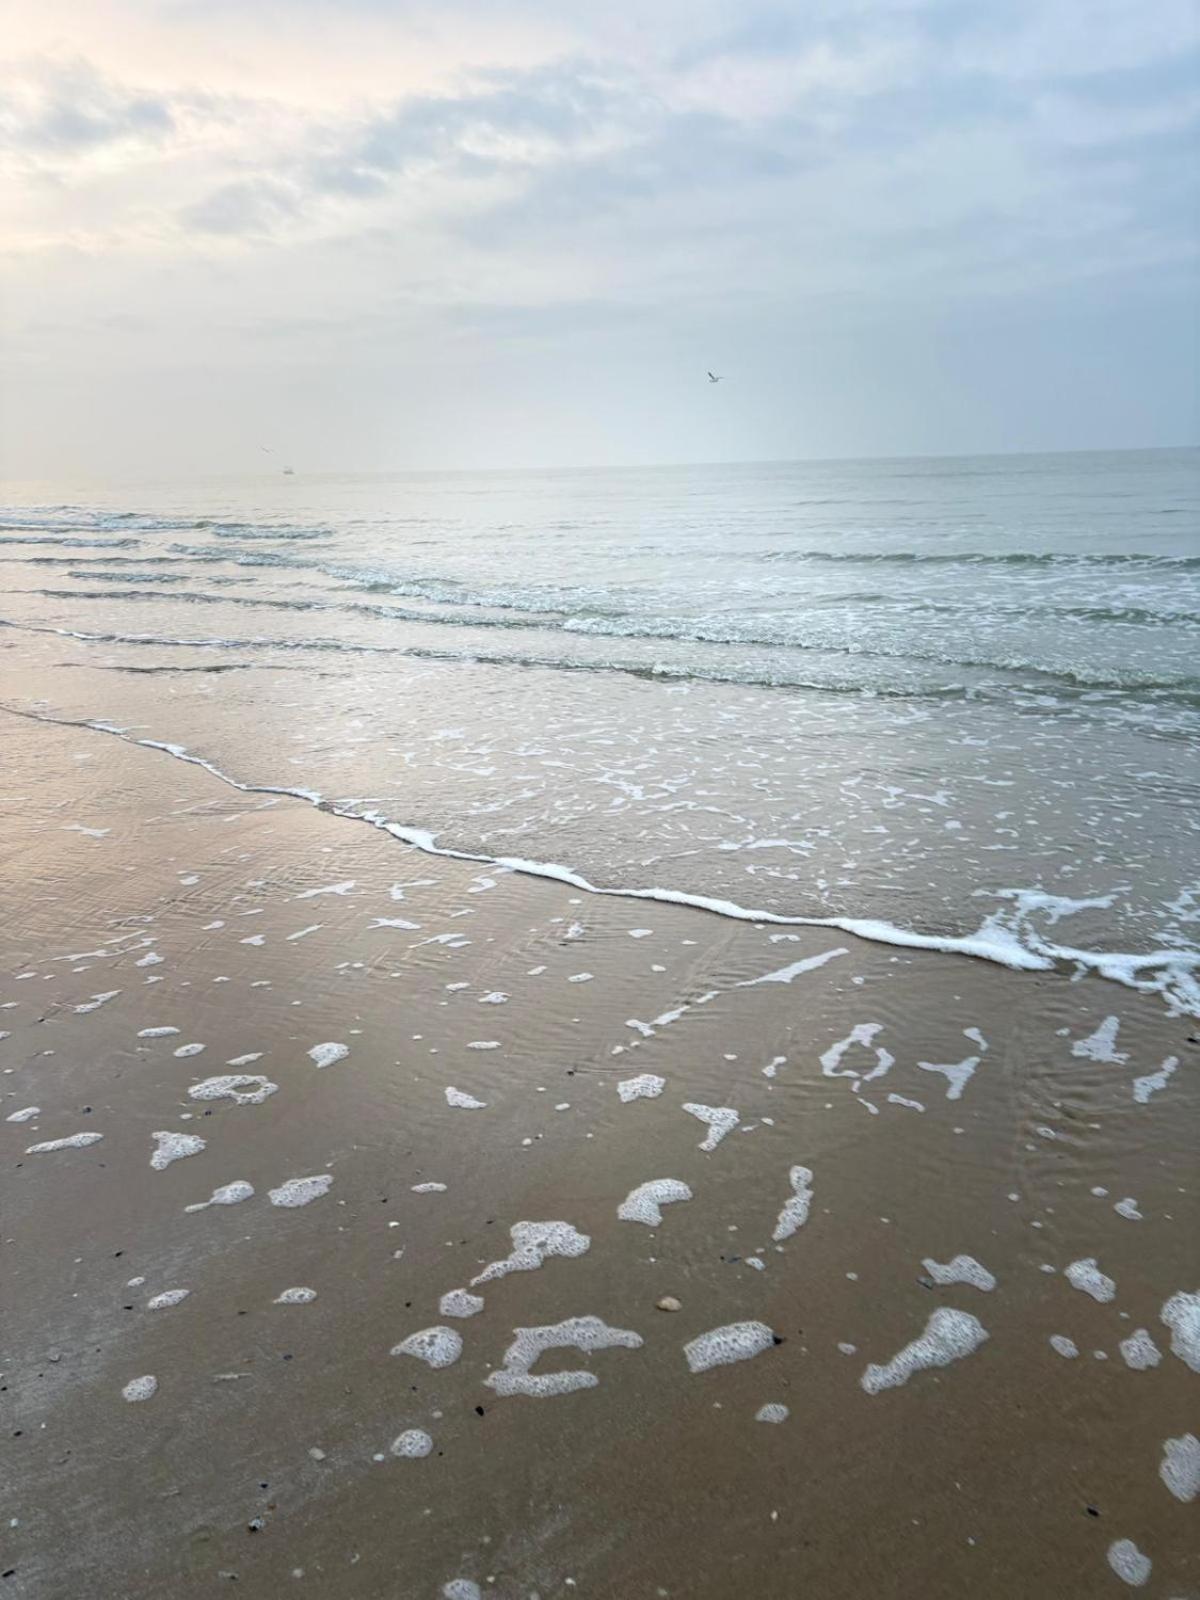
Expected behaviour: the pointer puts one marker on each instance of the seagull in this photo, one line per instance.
(714, 377)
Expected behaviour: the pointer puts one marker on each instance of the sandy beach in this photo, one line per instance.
(944, 1214)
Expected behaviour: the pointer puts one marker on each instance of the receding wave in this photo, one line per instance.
(1009, 940)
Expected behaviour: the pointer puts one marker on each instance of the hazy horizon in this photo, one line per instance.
(386, 236)
(269, 471)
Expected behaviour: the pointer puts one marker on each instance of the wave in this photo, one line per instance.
(987, 558)
(691, 631)
(1006, 938)
(79, 544)
(1165, 714)
(79, 519)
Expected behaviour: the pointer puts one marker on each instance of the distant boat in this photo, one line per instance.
(289, 472)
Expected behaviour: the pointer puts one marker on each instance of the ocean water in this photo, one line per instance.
(939, 701)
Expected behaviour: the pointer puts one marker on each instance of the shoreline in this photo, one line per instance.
(995, 943)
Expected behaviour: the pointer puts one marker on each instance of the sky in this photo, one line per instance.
(377, 235)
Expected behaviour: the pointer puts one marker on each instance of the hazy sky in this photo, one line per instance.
(374, 233)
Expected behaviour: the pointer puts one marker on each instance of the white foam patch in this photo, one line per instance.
(862, 1035)
(97, 1001)
(464, 1102)
(644, 1203)
(1101, 1045)
(168, 1298)
(437, 1347)
(325, 1055)
(1143, 1088)
(949, 1336)
(533, 1244)
(587, 1334)
(646, 1086)
(429, 1188)
(957, 1073)
(140, 1388)
(721, 1347)
(720, 1119)
(229, 1194)
(244, 1089)
(244, 1061)
(1179, 1468)
(189, 1050)
(461, 1589)
(298, 1296)
(329, 888)
(772, 1412)
(300, 1191)
(1129, 1564)
(1067, 1348)
(795, 1211)
(1139, 1351)
(1086, 1276)
(484, 1044)
(1181, 1314)
(902, 1100)
(174, 1147)
(961, 1269)
(413, 1445)
(26, 1114)
(74, 1141)
(157, 1033)
(460, 1303)
(1128, 1208)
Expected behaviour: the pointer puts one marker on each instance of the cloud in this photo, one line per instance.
(53, 109)
(246, 208)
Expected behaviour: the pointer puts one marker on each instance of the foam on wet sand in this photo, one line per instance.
(533, 1244)
(587, 1334)
(949, 1336)
(644, 1204)
(722, 1347)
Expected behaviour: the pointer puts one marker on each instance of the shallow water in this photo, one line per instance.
(954, 699)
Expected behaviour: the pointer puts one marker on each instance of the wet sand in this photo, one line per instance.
(145, 895)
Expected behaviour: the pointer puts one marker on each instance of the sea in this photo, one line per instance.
(949, 703)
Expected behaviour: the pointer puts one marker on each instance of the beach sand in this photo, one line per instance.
(936, 1107)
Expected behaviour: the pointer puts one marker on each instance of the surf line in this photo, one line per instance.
(992, 942)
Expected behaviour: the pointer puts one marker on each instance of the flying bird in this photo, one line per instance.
(714, 377)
